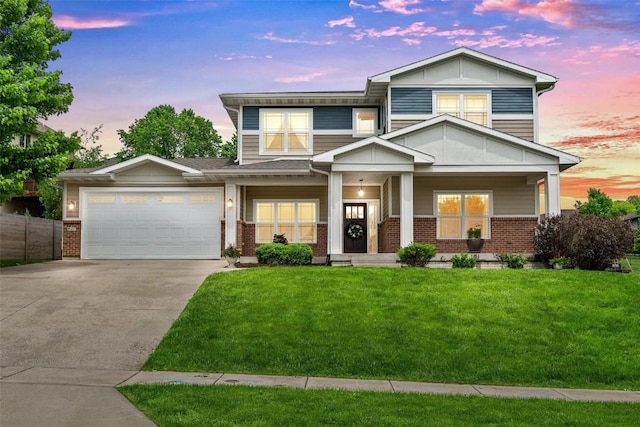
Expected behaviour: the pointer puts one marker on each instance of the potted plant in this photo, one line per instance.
(474, 238)
(231, 254)
(559, 262)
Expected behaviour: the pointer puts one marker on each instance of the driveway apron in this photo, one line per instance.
(71, 330)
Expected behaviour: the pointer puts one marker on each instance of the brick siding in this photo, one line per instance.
(389, 235)
(71, 238)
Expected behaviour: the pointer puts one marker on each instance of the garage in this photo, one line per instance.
(139, 223)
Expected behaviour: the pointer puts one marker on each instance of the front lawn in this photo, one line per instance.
(191, 405)
(530, 327)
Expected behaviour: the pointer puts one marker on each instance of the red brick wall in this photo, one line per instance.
(71, 238)
(389, 235)
(249, 244)
(507, 235)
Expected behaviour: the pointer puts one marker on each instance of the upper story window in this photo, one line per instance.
(365, 121)
(473, 107)
(25, 141)
(285, 131)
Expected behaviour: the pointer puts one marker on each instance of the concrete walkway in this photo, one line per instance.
(71, 330)
(162, 377)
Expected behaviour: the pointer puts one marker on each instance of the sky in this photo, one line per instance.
(126, 57)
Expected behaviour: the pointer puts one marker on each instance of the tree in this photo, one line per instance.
(230, 148)
(90, 153)
(164, 133)
(598, 204)
(635, 201)
(29, 92)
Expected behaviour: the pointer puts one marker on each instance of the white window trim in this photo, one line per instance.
(461, 193)
(286, 151)
(461, 94)
(354, 120)
(275, 217)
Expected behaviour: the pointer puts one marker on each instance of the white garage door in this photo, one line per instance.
(147, 224)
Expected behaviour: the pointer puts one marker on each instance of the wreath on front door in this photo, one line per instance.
(355, 231)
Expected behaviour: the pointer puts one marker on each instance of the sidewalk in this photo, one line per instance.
(166, 377)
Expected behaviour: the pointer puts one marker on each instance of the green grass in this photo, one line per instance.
(14, 262)
(530, 327)
(191, 405)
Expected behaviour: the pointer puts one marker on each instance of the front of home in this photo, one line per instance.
(422, 154)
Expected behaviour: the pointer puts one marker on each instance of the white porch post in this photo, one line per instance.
(231, 212)
(334, 232)
(406, 209)
(552, 193)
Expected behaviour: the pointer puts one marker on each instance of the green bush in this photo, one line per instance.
(463, 261)
(281, 254)
(636, 242)
(592, 242)
(417, 254)
(515, 261)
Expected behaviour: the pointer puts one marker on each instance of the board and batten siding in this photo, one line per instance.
(520, 128)
(511, 195)
(293, 192)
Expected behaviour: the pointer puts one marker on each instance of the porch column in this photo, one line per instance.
(552, 193)
(231, 213)
(335, 214)
(406, 209)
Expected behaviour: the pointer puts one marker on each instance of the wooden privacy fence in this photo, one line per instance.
(24, 237)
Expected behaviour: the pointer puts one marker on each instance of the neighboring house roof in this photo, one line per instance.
(631, 217)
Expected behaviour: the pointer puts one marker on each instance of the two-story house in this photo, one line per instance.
(423, 153)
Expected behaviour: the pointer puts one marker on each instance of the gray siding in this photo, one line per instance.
(512, 101)
(321, 143)
(385, 199)
(511, 195)
(370, 192)
(250, 118)
(292, 192)
(399, 124)
(395, 193)
(332, 118)
(520, 128)
(411, 100)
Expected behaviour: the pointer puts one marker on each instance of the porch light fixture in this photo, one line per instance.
(71, 205)
(230, 203)
(360, 191)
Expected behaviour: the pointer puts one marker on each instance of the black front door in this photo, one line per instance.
(355, 228)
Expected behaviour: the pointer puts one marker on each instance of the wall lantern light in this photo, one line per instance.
(230, 203)
(71, 205)
(361, 191)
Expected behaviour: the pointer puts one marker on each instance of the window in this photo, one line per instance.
(295, 219)
(473, 107)
(365, 121)
(457, 212)
(285, 131)
(25, 141)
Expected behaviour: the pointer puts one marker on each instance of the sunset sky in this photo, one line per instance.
(126, 57)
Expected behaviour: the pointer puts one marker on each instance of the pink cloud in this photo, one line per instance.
(618, 187)
(525, 40)
(558, 12)
(347, 21)
(272, 37)
(73, 23)
(455, 33)
(403, 7)
(355, 5)
(417, 29)
(411, 42)
(300, 79)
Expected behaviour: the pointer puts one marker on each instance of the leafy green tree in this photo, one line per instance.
(598, 204)
(635, 201)
(164, 133)
(622, 207)
(29, 92)
(230, 148)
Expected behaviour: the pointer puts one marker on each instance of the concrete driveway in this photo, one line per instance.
(71, 330)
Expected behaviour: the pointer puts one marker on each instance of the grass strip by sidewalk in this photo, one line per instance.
(192, 405)
(568, 328)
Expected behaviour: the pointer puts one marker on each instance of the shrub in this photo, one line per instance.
(636, 243)
(281, 254)
(417, 254)
(463, 261)
(592, 242)
(515, 261)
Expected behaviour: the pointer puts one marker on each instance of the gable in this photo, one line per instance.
(150, 170)
(452, 144)
(462, 71)
(373, 154)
